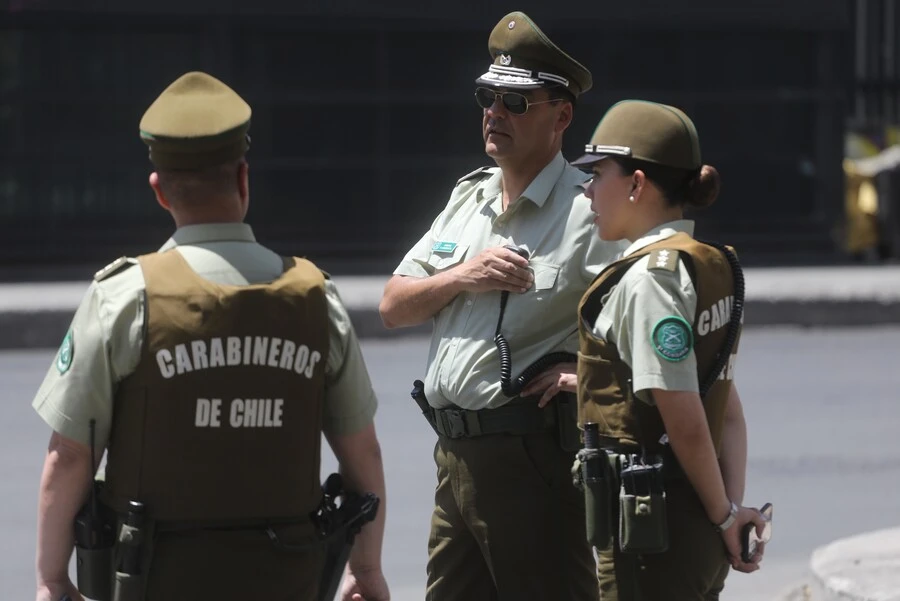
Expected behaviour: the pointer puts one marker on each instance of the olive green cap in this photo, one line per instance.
(647, 131)
(525, 59)
(197, 122)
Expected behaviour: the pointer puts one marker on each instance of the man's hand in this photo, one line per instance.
(561, 377)
(54, 591)
(364, 585)
(732, 538)
(495, 268)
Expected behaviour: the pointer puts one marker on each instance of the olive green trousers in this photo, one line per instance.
(692, 569)
(508, 524)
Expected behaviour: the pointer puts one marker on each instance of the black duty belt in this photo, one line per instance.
(671, 466)
(516, 418)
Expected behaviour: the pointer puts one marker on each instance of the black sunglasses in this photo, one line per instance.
(515, 103)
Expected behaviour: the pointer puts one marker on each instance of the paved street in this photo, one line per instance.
(823, 414)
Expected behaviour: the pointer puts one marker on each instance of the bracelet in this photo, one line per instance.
(732, 516)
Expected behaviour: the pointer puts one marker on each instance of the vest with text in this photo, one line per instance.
(221, 421)
(605, 394)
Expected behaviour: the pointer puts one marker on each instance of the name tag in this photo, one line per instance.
(444, 247)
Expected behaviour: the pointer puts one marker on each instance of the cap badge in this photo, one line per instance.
(512, 24)
(505, 59)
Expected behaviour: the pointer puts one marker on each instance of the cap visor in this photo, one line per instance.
(588, 160)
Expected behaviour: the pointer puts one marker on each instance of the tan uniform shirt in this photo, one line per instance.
(553, 220)
(637, 303)
(107, 336)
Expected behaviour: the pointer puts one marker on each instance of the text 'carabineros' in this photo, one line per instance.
(234, 351)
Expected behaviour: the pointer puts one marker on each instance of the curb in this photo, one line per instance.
(821, 312)
(865, 567)
(45, 327)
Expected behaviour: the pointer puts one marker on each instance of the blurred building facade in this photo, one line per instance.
(364, 116)
(871, 227)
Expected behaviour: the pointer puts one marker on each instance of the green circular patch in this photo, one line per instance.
(66, 352)
(672, 338)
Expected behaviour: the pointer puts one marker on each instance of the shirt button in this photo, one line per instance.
(469, 302)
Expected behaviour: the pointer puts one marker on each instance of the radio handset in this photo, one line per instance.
(94, 540)
(522, 252)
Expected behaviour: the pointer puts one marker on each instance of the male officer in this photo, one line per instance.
(210, 369)
(507, 523)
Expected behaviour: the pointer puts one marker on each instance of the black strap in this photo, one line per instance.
(734, 326)
(504, 297)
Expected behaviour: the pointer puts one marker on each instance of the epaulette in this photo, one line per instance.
(471, 175)
(115, 267)
(291, 260)
(665, 260)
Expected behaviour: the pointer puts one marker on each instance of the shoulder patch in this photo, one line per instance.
(672, 338)
(66, 353)
(475, 173)
(114, 267)
(666, 260)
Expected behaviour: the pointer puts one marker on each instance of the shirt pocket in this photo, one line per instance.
(527, 311)
(445, 260)
(545, 276)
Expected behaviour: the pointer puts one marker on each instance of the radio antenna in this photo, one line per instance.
(94, 508)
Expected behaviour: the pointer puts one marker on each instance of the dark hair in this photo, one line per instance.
(697, 188)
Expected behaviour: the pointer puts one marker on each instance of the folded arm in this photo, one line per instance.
(688, 431)
(409, 301)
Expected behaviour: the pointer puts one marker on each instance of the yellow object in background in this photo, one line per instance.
(860, 210)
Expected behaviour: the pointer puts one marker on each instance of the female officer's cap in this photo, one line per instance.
(197, 122)
(526, 59)
(647, 131)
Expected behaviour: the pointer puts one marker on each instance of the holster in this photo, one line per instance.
(339, 526)
(133, 587)
(599, 474)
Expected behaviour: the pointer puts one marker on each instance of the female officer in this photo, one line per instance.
(653, 327)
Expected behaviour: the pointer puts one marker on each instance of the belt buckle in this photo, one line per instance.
(457, 422)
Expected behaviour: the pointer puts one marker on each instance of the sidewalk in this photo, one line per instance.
(865, 567)
(36, 315)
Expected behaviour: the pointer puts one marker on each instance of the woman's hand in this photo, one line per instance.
(732, 538)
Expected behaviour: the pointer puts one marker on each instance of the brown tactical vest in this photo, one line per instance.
(605, 394)
(221, 421)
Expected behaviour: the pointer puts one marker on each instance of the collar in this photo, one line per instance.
(661, 232)
(538, 191)
(210, 232)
